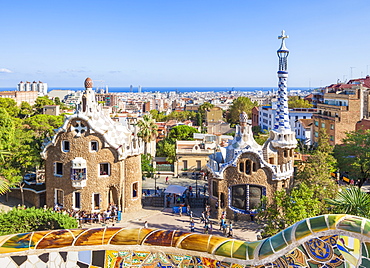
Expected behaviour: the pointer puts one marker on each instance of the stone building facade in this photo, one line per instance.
(93, 161)
(240, 174)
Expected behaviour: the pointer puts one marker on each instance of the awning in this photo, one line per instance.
(175, 189)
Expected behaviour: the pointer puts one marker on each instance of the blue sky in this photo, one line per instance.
(226, 43)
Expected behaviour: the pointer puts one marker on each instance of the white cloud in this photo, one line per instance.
(4, 70)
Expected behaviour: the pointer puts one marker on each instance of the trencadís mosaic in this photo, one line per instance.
(323, 241)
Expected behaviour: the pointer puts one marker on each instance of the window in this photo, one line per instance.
(285, 153)
(316, 123)
(331, 126)
(241, 167)
(77, 200)
(104, 169)
(134, 189)
(65, 146)
(59, 198)
(96, 201)
(58, 169)
(254, 166)
(331, 138)
(94, 146)
(245, 197)
(214, 189)
(199, 165)
(316, 134)
(185, 164)
(323, 125)
(248, 167)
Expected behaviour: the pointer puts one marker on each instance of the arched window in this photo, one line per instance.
(248, 167)
(245, 197)
(241, 167)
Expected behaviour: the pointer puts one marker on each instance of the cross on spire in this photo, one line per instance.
(283, 36)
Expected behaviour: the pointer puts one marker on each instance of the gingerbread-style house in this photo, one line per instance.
(93, 161)
(243, 172)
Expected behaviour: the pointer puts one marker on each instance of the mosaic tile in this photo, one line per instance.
(159, 237)
(302, 230)
(265, 249)
(84, 256)
(224, 249)
(318, 224)
(278, 242)
(333, 219)
(352, 224)
(197, 242)
(288, 234)
(56, 239)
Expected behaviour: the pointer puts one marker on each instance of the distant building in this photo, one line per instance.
(40, 87)
(51, 109)
(344, 105)
(20, 96)
(214, 115)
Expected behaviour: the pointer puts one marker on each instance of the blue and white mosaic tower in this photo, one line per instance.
(282, 112)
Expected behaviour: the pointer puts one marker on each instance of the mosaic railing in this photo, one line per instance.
(323, 241)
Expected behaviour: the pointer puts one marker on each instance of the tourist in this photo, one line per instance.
(192, 226)
(230, 230)
(168, 200)
(167, 180)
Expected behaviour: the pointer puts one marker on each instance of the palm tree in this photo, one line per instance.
(147, 130)
(352, 201)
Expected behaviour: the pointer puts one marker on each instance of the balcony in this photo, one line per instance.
(79, 184)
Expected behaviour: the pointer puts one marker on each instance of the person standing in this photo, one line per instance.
(146, 224)
(230, 230)
(167, 180)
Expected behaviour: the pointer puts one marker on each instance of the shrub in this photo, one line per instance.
(19, 220)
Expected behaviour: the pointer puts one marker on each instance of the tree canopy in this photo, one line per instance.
(182, 132)
(239, 105)
(298, 102)
(353, 155)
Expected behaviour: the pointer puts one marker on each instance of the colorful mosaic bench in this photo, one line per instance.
(323, 241)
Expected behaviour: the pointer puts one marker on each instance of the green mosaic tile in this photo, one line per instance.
(352, 224)
(365, 262)
(240, 250)
(318, 224)
(366, 229)
(224, 249)
(278, 242)
(265, 250)
(288, 234)
(252, 247)
(302, 230)
(333, 219)
(365, 249)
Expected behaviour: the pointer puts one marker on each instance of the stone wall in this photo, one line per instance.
(80, 147)
(132, 176)
(30, 196)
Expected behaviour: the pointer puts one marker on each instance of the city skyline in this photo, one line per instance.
(182, 44)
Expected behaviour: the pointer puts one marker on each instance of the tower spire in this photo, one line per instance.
(282, 112)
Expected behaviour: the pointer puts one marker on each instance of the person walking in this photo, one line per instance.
(167, 180)
(192, 226)
(230, 230)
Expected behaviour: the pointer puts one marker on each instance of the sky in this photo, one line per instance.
(182, 43)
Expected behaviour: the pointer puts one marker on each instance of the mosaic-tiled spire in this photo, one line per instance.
(282, 112)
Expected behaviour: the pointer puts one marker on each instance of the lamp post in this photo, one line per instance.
(155, 177)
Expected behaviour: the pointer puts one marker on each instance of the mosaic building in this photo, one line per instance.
(93, 161)
(243, 172)
(325, 241)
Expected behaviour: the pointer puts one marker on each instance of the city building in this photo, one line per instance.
(51, 109)
(20, 96)
(343, 106)
(240, 174)
(93, 161)
(40, 87)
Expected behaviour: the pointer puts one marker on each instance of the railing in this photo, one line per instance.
(165, 167)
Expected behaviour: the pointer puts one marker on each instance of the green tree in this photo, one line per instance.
(353, 155)
(26, 110)
(167, 148)
(147, 165)
(41, 102)
(239, 105)
(182, 132)
(203, 108)
(147, 130)
(351, 201)
(33, 219)
(10, 106)
(158, 116)
(316, 171)
(287, 208)
(43, 125)
(298, 102)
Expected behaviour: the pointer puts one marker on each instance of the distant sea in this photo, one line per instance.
(178, 89)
